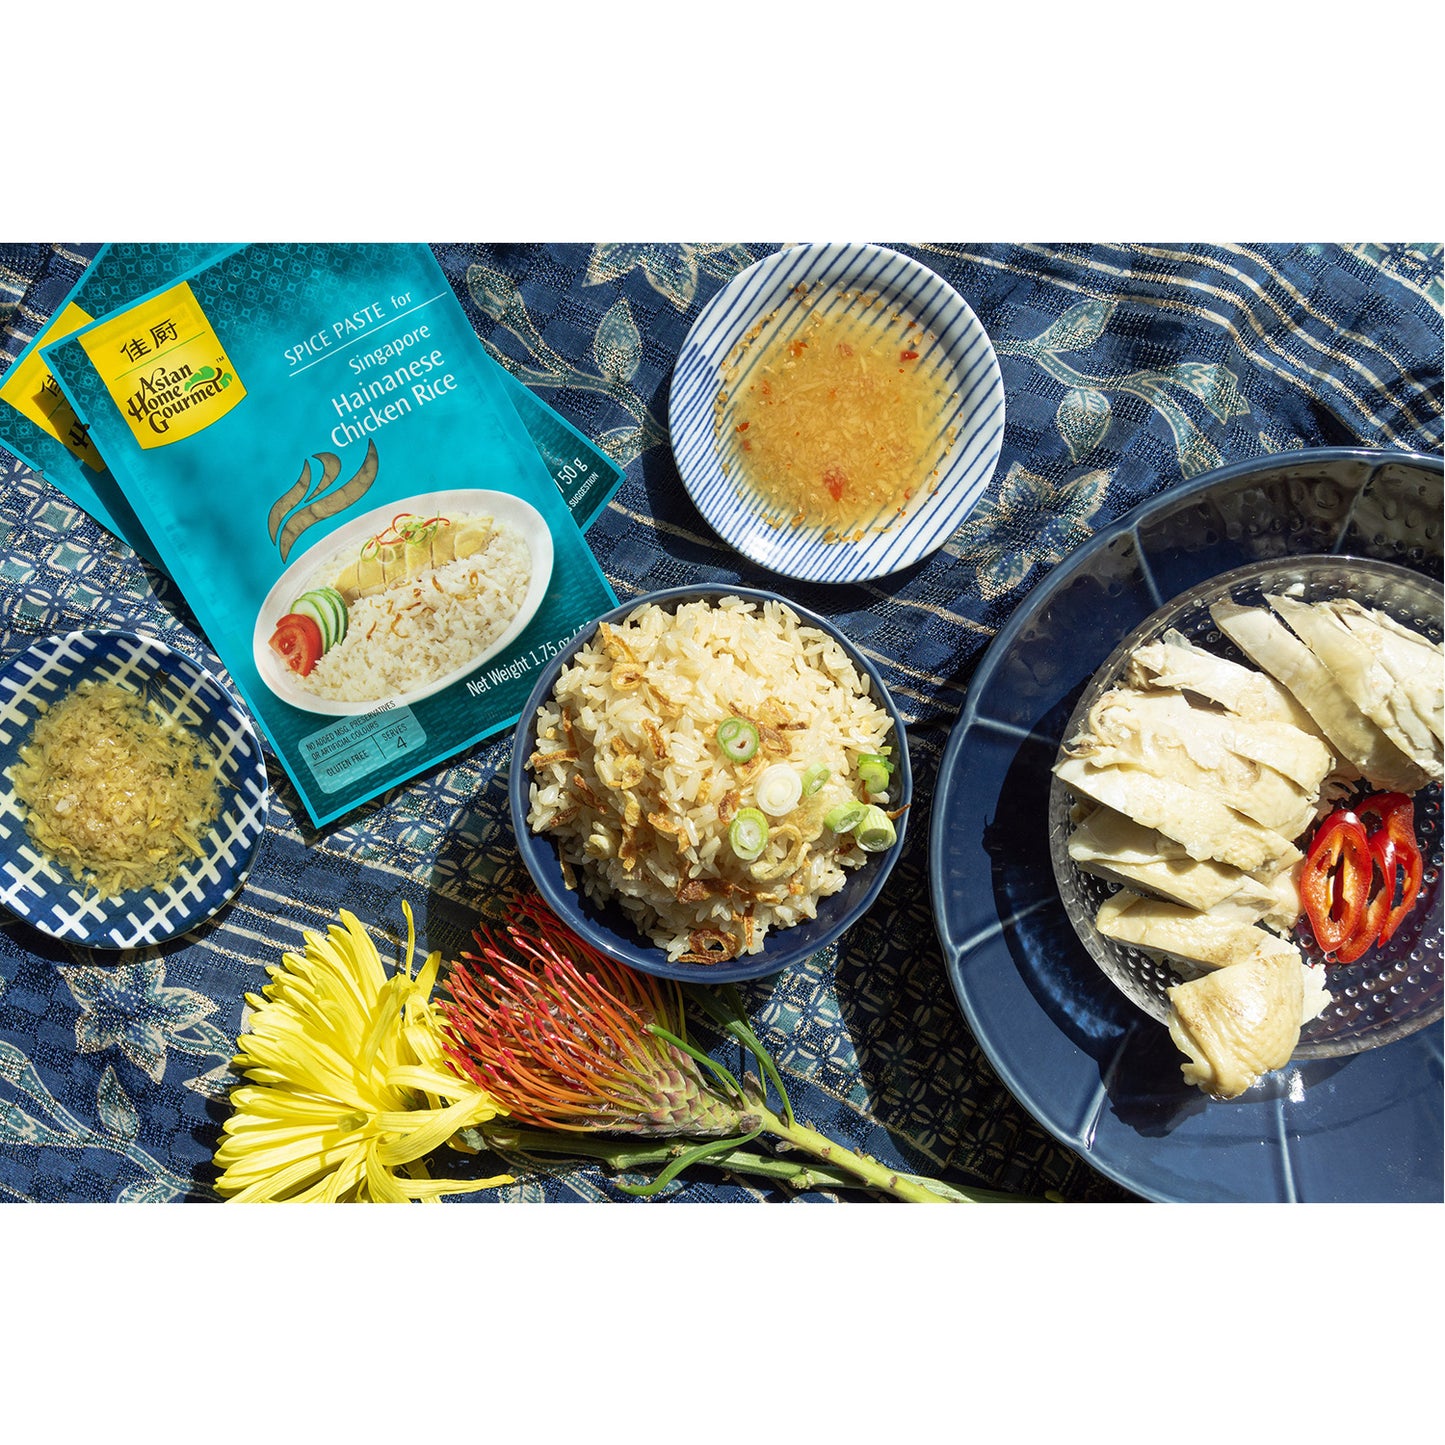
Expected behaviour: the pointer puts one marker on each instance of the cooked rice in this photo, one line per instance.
(410, 635)
(629, 780)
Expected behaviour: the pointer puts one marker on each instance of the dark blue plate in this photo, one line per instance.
(1094, 1070)
(609, 928)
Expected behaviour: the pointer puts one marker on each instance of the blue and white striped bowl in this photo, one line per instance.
(976, 417)
(45, 893)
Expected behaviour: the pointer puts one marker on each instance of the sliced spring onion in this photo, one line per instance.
(874, 770)
(778, 789)
(814, 776)
(738, 738)
(748, 834)
(875, 831)
(846, 816)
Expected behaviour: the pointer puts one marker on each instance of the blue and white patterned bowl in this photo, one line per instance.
(44, 893)
(976, 416)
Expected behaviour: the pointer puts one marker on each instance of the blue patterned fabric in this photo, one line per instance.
(1126, 369)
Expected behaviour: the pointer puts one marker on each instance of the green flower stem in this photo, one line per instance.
(830, 1165)
(913, 1188)
(972, 1195)
(870, 1172)
(623, 1155)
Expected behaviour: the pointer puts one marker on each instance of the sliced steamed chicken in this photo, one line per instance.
(1361, 742)
(1198, 773)
(1267, 770)
(1199, 822)
(1366, 682)
(1172, 932)
(1415, 664)
(1238, 1023)
(1180, 933)
(1175, 662)
(1119, 850)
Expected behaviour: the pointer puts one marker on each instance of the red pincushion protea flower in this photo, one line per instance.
(563, 1038)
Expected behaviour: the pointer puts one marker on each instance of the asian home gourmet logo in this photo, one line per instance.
(165, 367)
(168, 391)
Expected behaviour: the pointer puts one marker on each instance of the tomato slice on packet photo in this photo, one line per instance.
(297, 640)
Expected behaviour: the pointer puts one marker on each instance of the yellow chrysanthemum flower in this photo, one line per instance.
(350, 1088)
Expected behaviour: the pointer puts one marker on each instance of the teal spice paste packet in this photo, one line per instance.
(339, 483)
(41, 427)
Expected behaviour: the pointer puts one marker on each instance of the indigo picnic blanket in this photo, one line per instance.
(1127, 368)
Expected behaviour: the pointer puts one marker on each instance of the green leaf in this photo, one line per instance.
(618, 346)
(117, 1113)
(1083, 418)
(1214, 384)
(685, 1157)
(1079, 327)
(495, 292)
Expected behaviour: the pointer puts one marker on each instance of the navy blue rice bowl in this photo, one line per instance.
(608, 928)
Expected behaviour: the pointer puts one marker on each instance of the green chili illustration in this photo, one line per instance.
(291, 497)
(330, 503)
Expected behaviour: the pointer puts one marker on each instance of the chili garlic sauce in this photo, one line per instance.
(839, 423)
(115, 789)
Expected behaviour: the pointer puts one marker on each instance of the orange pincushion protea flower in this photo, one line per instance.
(563, 1038)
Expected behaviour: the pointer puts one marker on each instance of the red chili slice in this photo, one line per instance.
(297, 641)
(1405, 869)
(1377, 911)
(1384, 806)
(1335, 882)
(1414, 870)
